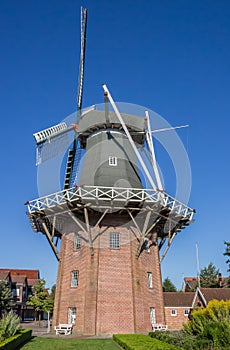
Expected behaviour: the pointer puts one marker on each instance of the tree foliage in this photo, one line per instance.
(168, 286)
(227, 253)
(6, 298)
(209, 276)
(9, 325)
(211, 323)
(41, 299)
(53, 291)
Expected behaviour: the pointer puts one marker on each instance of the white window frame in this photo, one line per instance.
(150, 280)
(112, 161)
(186, 312)
(74, 278)
(114, 240)
(173, 312)
(77, 242)
(152, 313)
(72, 312)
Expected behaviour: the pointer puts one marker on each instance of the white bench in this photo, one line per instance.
(159, 327)
(63, 328)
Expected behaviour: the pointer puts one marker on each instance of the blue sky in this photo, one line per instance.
(170, 56)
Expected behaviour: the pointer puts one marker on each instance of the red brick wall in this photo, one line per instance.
(175, 322)
(113, 294)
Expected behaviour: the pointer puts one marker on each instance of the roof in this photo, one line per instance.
(178, 299)
(18, 279)
(33, 274)
(32, 281)
(4, 275)
(215, 293)
(192, 282)
(93, 120)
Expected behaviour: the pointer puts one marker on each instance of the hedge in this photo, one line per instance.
(142, 342)
(16, 340)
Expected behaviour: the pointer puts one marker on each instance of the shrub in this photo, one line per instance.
(216, 311)
(142, 342)
(211, 324)
(9, 325)
(15, 341)
(181, 339)
(218, 333)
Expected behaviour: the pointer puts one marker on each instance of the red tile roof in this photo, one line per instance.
(178, 299)
(216, 293)
(33, 274)
(4, 275)
(192, 282)
(18, 279)
(32, 281)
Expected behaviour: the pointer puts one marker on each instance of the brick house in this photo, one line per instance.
(21, 283)
(178, 305)
(191, 283)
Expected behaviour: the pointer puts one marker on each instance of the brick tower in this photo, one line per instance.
(110, 224)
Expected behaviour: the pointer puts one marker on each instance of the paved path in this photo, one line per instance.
(41, 331)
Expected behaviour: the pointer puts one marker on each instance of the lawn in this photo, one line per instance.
(69, 344)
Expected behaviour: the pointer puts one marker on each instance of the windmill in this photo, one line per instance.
(110, 224)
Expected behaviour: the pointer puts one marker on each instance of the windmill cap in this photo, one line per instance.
(95, 120)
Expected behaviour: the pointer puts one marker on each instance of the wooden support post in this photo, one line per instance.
(134, 221)
(89, 231)
(53, 226)
(101, 218)
(146, 232)
(77, 222)
(168, 246)
(49, 237)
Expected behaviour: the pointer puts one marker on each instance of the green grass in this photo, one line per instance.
(69, 344)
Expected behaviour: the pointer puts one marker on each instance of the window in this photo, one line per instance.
(74, 279)
(72, 315)
(173, 312)
(152, 315)
(114, 240)
(150, 280)
(186, 312)
(112, 161)
(77, 242)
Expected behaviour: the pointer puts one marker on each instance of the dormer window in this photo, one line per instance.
(112, 161)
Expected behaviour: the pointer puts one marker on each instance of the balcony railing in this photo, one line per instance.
(110, 195)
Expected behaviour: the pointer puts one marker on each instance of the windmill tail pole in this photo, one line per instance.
(129, 137)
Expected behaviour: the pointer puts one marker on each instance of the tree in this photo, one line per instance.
(41, 299)
(168, 286)
(48, 307)
(209, 276)
(53, 291)
(6, 298)
(227, 253)
(9, 324)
